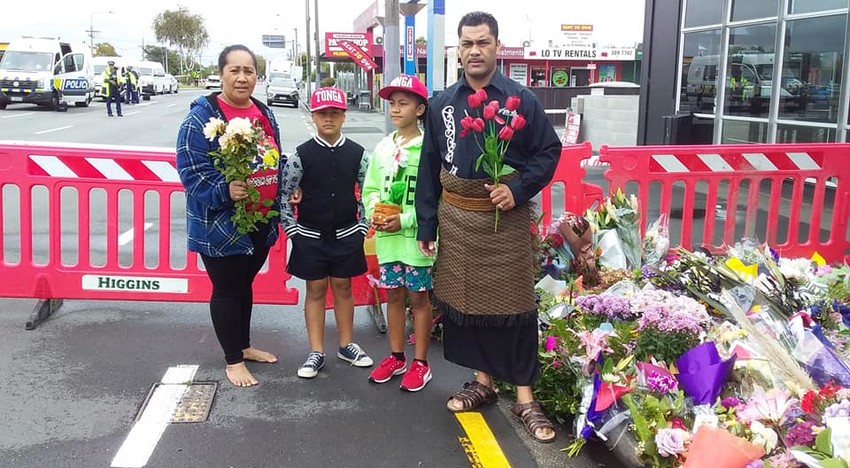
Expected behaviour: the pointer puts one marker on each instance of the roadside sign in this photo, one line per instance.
(572, 129)
(274, 41)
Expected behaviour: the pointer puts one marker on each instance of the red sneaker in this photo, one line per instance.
(387, 369)
(416, 378)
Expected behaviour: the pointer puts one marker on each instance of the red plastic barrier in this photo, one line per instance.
(578, 195)
(84, 186)
(775, 186)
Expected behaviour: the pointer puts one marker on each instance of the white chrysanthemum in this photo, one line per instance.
(213, 128)
(796, 268)
(239, 126)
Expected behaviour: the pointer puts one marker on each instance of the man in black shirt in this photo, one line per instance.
(484, 279)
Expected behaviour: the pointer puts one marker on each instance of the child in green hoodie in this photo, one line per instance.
(404, 271)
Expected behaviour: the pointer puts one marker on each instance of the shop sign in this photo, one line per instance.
(519, 72)
(580, 54)
(333, 49)
(560, 78)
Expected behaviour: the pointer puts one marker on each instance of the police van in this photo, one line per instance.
(46, 72)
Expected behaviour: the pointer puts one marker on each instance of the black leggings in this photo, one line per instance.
(233, 296)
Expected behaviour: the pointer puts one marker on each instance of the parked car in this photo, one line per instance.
(172, 84)
(283, 91)
(213, 82)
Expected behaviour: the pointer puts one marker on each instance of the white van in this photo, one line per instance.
(749, 81)
(46, 72)
(152, 80)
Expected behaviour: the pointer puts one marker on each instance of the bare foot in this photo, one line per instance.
(254, 354)
(239, 375)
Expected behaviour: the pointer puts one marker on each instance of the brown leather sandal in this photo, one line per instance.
(473, 395)
(531, 416)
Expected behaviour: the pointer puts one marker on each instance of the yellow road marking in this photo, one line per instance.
(480, 445)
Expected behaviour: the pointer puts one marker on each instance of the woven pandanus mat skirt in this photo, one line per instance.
(484, 285)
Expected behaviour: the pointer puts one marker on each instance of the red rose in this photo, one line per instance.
(518, 122)
(512, 103)
(557, 240)
(677, 423)
(506, 133)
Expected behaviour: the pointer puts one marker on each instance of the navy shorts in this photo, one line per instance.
(314, 259)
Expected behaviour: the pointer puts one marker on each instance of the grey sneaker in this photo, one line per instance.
(311, 366)
(355, 355)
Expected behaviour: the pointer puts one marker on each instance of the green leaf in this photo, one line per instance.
(479, 161)
(268, 202)
(506, 170)
(833, 463)
(491, 145)
(822, 442)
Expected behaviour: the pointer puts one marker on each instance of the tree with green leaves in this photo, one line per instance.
(104, 49)
(183, 30)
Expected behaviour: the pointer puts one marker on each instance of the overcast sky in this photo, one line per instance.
(128, 27)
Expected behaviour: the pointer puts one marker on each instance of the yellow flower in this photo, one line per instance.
(270, 158)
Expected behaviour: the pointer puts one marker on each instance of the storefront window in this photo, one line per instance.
(749, 70)
(807, 6)
(701, 57)
(703, 12)
(538, 76)
(811, 72)
(735, 132)
(800, 134)
(754, 9)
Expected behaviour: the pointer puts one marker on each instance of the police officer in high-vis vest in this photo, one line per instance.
(112, 82)
(132, 80)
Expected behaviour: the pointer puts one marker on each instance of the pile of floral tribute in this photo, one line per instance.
(665, 355)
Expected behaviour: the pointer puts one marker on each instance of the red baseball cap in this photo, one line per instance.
(326, 98)
(406, 83)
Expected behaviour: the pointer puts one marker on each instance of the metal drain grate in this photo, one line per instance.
(194, 405)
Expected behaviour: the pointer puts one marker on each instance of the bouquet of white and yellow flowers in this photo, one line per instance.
(243, 150)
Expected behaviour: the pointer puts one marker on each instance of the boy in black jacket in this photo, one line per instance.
(327, 238)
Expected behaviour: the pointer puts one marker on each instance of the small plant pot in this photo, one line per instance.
(383, 211)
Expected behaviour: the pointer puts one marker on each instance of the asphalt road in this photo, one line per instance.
(72, 388)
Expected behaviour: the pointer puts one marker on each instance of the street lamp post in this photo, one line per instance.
(91, 28)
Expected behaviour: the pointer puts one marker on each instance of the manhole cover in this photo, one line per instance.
(194, 405)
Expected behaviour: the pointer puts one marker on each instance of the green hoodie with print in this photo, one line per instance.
(393, 163)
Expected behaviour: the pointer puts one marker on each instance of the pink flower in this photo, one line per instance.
(512, 103)
(518, 122)
(506, 133)
(594, 342)
(414, 273)
(477, 98)
(397, 269)
(466, 124)
(490, 110)
(550, 344)
(671, 442)
(770, 405)
(556, 364)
